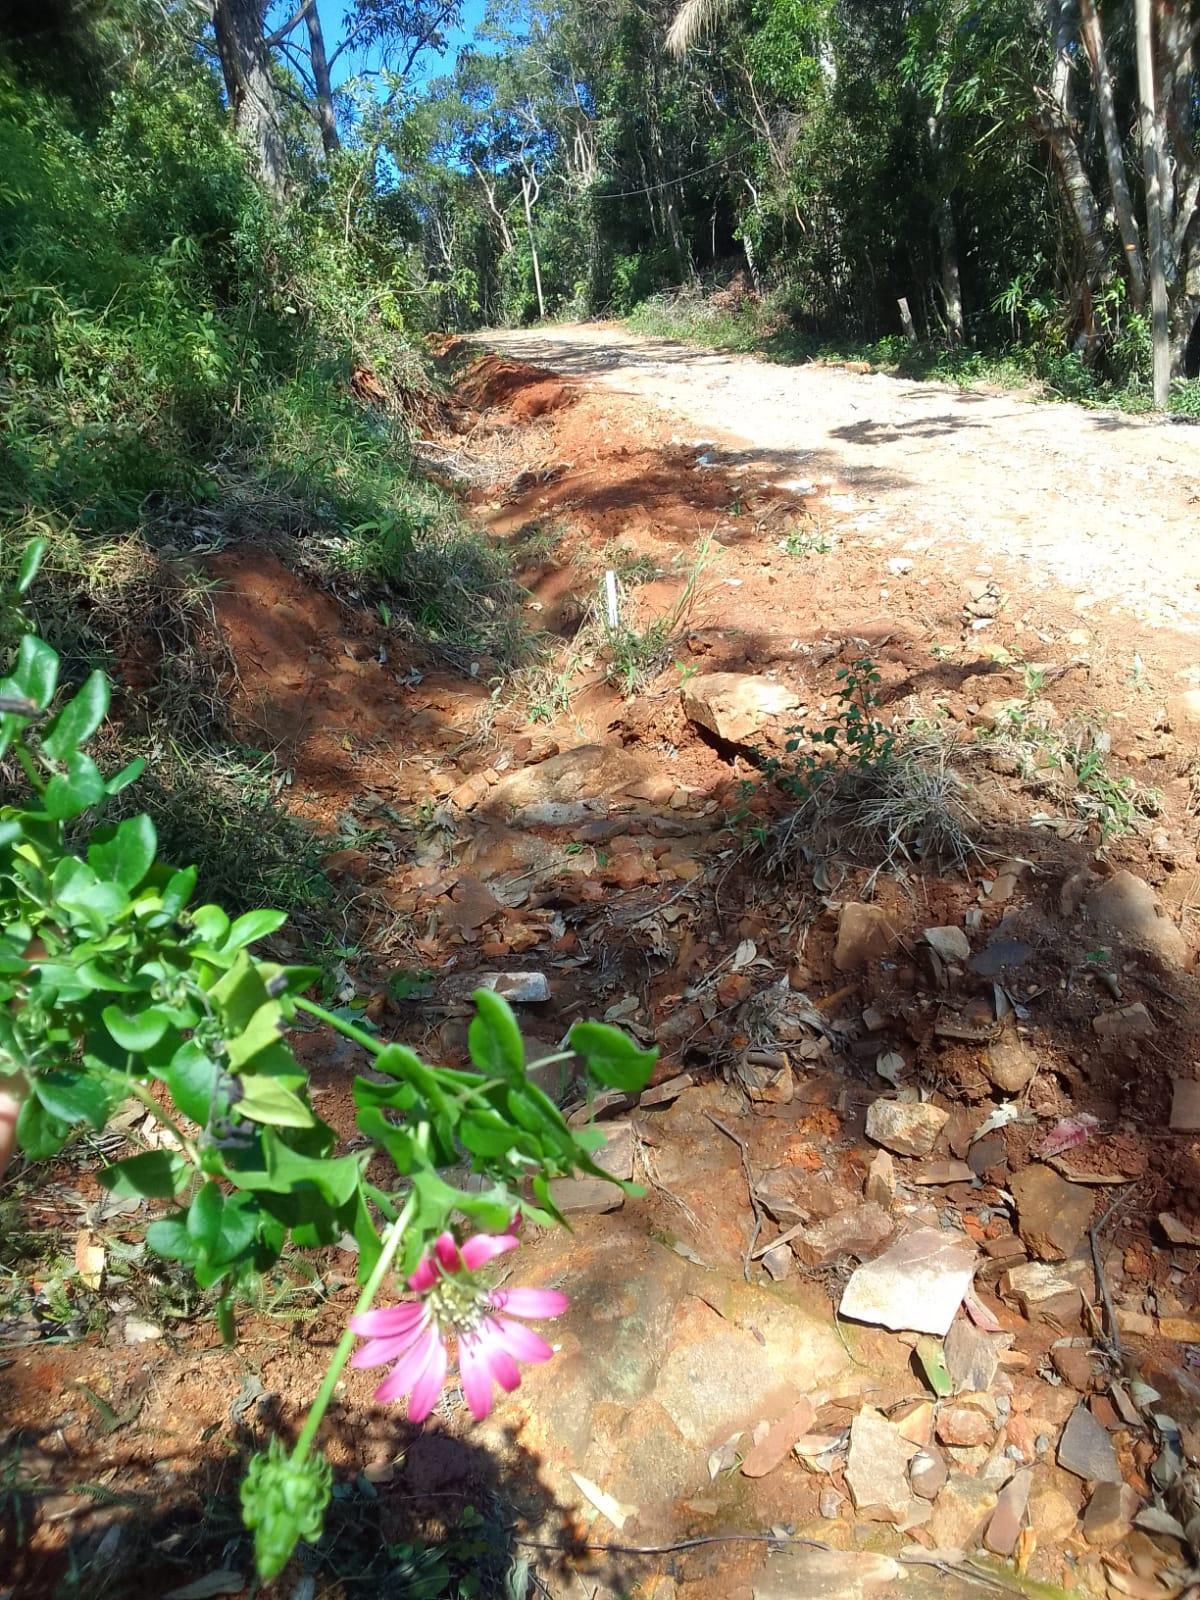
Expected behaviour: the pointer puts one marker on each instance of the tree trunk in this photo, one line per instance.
(1058, 129)
(530, 189)
(1152, 166)
(947, 232)
(246, 67)
(326, 118)
(1114, 154)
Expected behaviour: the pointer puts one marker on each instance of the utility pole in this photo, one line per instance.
(1152, 166)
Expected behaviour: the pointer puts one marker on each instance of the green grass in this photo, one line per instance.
(1052, 373)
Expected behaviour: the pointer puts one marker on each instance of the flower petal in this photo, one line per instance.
(379, 1352)
(502, 1366)
(530, 1302)
(476, 1376)
(408, 1369)
(388, 1322)
(444, 1254)
(520, 1341)
(484, 1247)
(428, 1385)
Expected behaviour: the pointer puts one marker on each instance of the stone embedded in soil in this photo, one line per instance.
(1130, 1023)
(1008, 1064)
(917, 1284)
(972, 1356)
(861, 1232)
(1073, 1362)
(950, 943)
(938, 1173)
(1185, 1105)
(1086, 1450)
(961, 1512)
(1043, 1291)
(586, 1196)
(736, 705)
(880, 1187)
(1052, 1214)
(1128, 907)
(865, 933)
(908, 1127)
(777, 1442)
(1110, 1513)
(589, 772)
(927, 1473)
(1004, 1525)
(1183, 715)
(963, 1425)
(877, 1468)
(826, 1575)
(518, 988)
(1051, 1515)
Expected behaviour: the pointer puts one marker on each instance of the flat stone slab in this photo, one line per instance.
(917, 1284)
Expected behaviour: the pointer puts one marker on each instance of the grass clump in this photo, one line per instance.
(867, 792)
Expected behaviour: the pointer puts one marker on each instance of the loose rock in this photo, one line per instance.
(927, 1473)
(1185, 1106)
(950, 943)
(877, 1468)
(1008, 1064)
(1110, 1513)
(735, 705)
(881, 1180)
(961, 1512)
(1129, 1023)
(910, 1128)
(1128, 907)
(1043, 1292)
(519, 988)
(963, 1425)
(1004, 1525)
(918, 1283)
(972, 1357)
(1052, 1214)
(864, 934)
(860, 1232)
(1086, 1449)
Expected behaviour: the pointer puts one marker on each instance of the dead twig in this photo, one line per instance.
(1113, 1336)
(757, 1209)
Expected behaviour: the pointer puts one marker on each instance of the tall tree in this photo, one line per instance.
(246, 67)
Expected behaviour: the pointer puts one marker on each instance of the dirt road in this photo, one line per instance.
(1094, 502)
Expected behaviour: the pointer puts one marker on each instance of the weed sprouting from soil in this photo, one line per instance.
(636, 655)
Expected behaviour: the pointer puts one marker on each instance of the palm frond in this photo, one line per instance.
(692, 21)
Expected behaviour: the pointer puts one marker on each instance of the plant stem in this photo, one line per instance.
(391, 1243)
(347, 1029)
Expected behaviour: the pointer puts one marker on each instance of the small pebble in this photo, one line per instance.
(1042, 1443)
(830, 1504)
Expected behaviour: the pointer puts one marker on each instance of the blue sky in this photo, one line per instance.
(333, 14)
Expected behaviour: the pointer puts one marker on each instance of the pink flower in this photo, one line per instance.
(452, 1301)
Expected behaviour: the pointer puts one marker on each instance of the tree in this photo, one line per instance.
(250, 88)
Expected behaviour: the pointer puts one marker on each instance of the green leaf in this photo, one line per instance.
(82, 787)
(490, 1137)
(612, 1057)
(73, 1096)
(264, 1030)
(204, 1218)
(31, 560)
(128, 855)
(169, 1237)
(127, 775)
(179, 890)
(155, 1174)
(136, 1033)
(192, 1079)
(36, 671)
(494, 1039)
(39, 1133)
(78, 719)
(932, 1356)
(266, 1100)
(251, 926)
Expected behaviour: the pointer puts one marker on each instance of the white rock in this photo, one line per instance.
(951, 944)
(918, 1283)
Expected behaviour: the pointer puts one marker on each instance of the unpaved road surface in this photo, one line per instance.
(1094, 502)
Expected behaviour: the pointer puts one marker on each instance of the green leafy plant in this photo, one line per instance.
(114, 985)
(853, 734)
